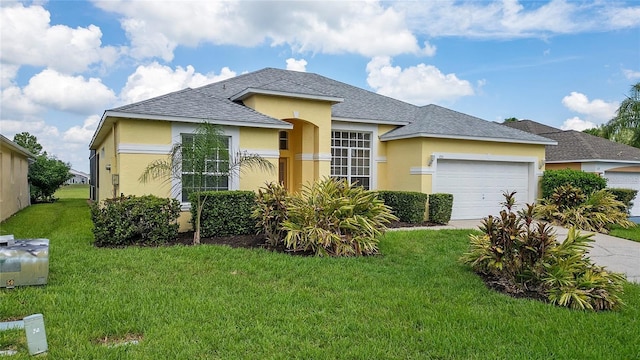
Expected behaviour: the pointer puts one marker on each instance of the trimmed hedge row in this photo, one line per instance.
(587, 182)
(408, 206)
(440, 207)
(146, 220)
(225, 213)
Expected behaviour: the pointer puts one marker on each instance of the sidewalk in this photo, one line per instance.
(618, 255)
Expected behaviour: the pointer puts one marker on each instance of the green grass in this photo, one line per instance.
(416, 301)
(632, 233)
(76, 191)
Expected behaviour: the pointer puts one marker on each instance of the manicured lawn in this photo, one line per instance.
(209, 302)
(632, 233)
(75, 191)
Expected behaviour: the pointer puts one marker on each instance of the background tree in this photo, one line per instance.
(46, 173)
(199, 161)
(28, 142)
(625, 126)
(511, 119)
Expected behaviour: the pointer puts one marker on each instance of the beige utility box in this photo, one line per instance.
(23, 262)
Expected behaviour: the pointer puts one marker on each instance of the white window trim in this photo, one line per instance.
(177, 129)
(370, 128)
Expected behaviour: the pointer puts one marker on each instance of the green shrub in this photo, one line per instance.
(568, 206)
(440, 207)
(408, 206)
(225, 213)
(147, 220)
(334, 218)
(524, 257)
(271, 211)
(587, 182)
(625, 196)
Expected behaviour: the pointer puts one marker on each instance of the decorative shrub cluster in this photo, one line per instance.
(587, 182)
(525, 257)
(329, 218)
(625, 196)
(408, 206)
(569, 206)
(440, 207)
(271, 211)
(147, 220)
(225, 212)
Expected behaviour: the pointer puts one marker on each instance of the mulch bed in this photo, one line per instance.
(259, 241)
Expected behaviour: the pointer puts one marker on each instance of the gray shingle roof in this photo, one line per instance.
(213, 102)
(578, 146)
(434, 121)
(190, 103)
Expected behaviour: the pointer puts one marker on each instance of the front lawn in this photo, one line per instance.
(632, 233)
(416, 301)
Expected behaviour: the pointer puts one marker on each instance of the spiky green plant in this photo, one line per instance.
(525, 255)
(572, 280)
(568, 206)
(271, 211)
(335, 218)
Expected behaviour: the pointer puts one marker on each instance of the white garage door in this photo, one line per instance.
(478, 186)
(626, 180)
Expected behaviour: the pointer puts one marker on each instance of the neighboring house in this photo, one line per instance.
(311, 127)
(618, 163)
(14, 182)
(78, 177)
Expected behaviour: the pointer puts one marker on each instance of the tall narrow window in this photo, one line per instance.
(209, 174)
(351, 157)
(284, 140)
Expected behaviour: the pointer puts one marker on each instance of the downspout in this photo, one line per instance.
(114, 164)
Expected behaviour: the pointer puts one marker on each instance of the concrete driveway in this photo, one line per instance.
(618, 255)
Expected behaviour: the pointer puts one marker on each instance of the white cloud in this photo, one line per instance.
(33, 41)
(631, 74)
(16, 104)
(420, 85)
(297, 65)
(575, 123)
(367, 28)
(82, 134)
(512, 18)
(155, 79)
(68, 93)
(596, 110)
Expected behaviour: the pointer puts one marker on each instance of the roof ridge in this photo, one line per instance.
(151, 99)
(232, 103)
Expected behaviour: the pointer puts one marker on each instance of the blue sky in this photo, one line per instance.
(567, 64)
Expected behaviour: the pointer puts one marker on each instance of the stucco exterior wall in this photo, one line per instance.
(411, 167)
(14, 185)
(562, 166)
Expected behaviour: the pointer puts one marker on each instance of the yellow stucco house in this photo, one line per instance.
(310, 126)
(14, 182)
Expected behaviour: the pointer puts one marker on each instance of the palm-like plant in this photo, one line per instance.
(626, 123)
(204, 158)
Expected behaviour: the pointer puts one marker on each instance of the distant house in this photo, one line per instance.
(618, 163)
(78, 177)
(14, 183)
(310, 127)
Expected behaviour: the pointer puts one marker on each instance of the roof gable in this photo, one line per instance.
(575, 146)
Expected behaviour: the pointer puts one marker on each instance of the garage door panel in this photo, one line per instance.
(625, 180)
(478, 186)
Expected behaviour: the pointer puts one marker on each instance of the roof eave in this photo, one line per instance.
(462, 137)
(248, 92)
(370, 121)
(592, 160)
(119, 114)
(16, 147)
